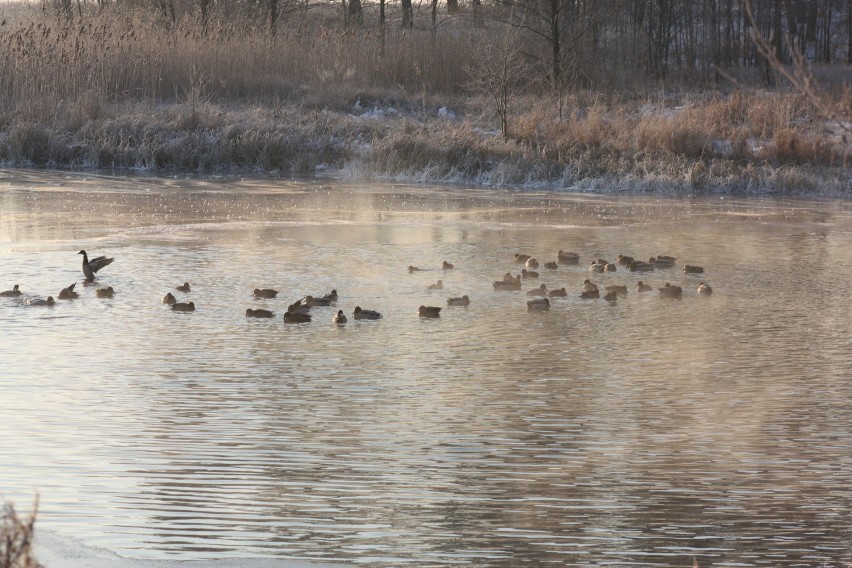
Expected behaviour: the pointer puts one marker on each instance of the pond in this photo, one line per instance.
(650, 431)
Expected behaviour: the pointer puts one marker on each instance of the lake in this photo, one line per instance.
(649, 432)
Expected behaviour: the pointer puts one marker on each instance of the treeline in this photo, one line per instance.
(584, 42)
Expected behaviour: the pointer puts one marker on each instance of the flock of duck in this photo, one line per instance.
(299, 311)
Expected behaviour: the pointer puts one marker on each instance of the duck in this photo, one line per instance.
(521, 258)
(559, 293)
(266, 293)
(538, 305)
(508, 285)
(183, 307)
(339, 317)
(463, 301)
(360, 314)
(596, 267)
(611, 297)
(331, 296)
(661, 262)
(540, 291)
(531, 274)
(568, 257)
(439, 285)
(624, 260)
(639, 266)
(704, 289)
(311, 301)
(69, 293)
(297, 317)
(170, 299)
(620, 290)
(550, 265)
(692, 269)
(92, 266)
(641, 287)
(589, 286)
(107, 292)
(447, 266)
(40, 302)
(13, 293)
(429, 311)
(250, 313)
(670, 291)
(509, 278)
(610, 267)
(183, 287)
(590, 294)
(531, 263)
(412, 269)
(298, 307)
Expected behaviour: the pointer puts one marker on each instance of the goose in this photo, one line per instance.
(641, 287)
(611, 297)
(538, 305)
(540, 291)
(266, 293)
(92, 266)
(447, 266)
(360, 314)
(560, 293)
(704, 289)
(170, 299)
(40, 302)
(436, 286)
(463, 301)
(69, 293)
(531, 274)
(568, 257)
(339, 317)
(250, 313)
(692, 269)
(669, 291)
(184, 287)
(550, 265)
(296, 317)
(183, 307)
(107, 292)
(521, 258)
(13, 293)
(429, 311)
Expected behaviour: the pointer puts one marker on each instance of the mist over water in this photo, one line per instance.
(649, 432)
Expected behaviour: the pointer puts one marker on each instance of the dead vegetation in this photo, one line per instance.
(16, 538)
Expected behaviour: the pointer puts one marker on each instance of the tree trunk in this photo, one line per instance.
(356, 13)
(452, 6)
(273, 17)
(407, 14)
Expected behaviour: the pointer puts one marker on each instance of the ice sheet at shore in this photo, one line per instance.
(55, 551)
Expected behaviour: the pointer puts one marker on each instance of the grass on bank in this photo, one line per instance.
(121, 89)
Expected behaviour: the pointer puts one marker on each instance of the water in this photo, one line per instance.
(650, 432)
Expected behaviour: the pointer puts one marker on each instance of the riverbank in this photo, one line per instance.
(692, 144)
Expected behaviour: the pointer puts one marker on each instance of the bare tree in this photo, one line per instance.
(502, 74)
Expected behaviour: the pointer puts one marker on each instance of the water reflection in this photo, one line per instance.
(648, 432)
